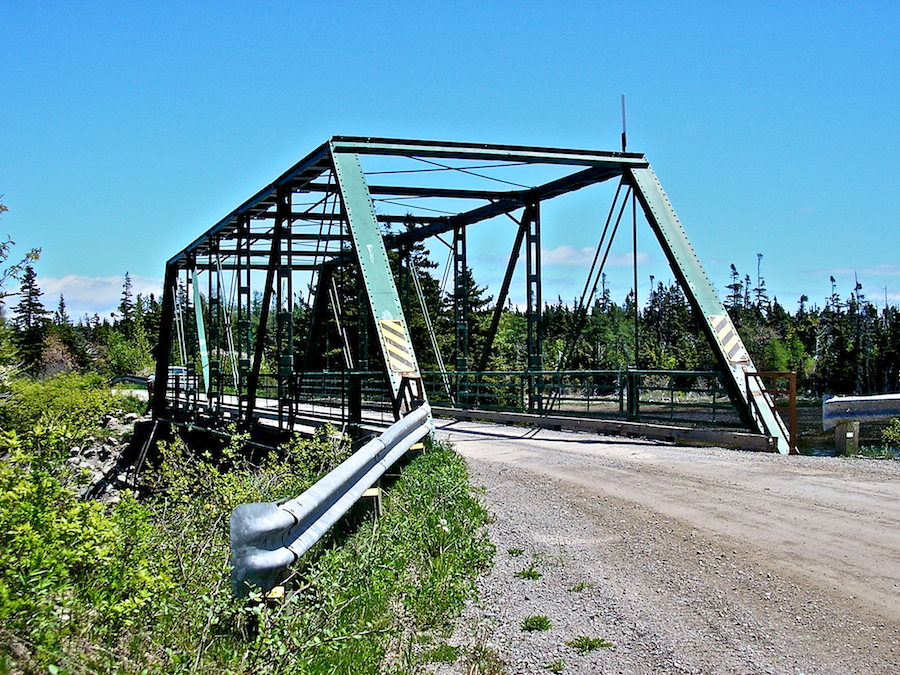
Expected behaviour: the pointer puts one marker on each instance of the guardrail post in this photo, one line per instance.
(846, 437)
(844, 413)
(354, 404)
(634, 397)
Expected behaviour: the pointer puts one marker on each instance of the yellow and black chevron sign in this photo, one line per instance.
(396, 343)
(728, 338)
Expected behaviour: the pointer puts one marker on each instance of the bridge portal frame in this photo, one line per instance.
(332, 174)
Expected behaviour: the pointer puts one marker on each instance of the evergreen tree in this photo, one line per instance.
(126, 306)
(153, 318)
(31, 321)
(735, 290)
(61, 317)
(762, 299)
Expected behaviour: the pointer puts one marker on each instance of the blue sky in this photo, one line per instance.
(127, 129)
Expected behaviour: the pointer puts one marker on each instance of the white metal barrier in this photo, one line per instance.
(267, 537)
(838, 409)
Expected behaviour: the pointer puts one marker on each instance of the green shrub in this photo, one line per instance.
(126, 356)
(890, 435)
(537, 622)
(585, 644)
(144, 588)
(69, 572)
(47, 418)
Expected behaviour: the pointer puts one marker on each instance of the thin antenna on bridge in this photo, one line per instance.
(624, 131)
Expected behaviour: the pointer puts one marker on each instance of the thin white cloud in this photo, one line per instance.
(569, 256)
(877, 271)
(93, 295)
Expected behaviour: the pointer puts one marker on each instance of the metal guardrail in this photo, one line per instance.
(267, 537)
(842, 409)
(695, 397)
(130, 379)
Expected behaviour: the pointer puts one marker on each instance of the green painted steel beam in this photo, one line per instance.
(484, 151)
(514, 200)
(416, 191)
(711, 314)
(306, 170)
(371, 254)
(602, 166)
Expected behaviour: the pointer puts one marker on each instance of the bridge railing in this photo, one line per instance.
(686, 397)
(696, 397)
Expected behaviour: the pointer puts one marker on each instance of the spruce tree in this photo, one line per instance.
(126, 306)
(61, 317)
(31, 321)
(735, 288)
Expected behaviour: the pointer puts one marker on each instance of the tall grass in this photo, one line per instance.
(143, 586)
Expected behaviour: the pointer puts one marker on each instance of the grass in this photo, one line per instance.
(143, 586)
(536, 622)
(515, 552)
(443, 653)
(529, 572)
(484, 660)
(556, 666)
(584, 644)
(876, 452)
(580, 586)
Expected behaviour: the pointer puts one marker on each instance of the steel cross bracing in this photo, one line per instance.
(298, 282)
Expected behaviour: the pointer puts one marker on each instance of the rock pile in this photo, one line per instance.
(102, 462)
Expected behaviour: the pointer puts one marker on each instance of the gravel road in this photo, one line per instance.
(685, 560)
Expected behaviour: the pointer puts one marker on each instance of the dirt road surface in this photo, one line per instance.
(685, 560)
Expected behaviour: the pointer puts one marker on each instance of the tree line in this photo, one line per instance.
(847, 346)
(43, 343)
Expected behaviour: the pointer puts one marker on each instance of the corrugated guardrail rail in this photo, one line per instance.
(267, 537)
(838, 409)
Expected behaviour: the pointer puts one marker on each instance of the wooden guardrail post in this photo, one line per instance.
(846, 437)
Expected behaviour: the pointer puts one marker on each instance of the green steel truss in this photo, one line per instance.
(301, 273)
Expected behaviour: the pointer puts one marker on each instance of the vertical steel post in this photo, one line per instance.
(461, 297)
(284, 333)
(262, 329)
(214, 322)
(244, 311)
(461, 311)
(534, 308)
(164, 345)
(637, 353)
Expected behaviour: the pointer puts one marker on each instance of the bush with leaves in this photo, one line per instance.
(144, 587)
(890, 435)
(50, 417)
(71, 575)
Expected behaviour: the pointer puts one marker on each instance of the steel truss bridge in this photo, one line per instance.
(288, 312)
